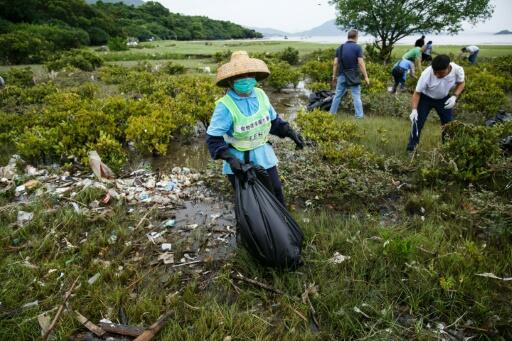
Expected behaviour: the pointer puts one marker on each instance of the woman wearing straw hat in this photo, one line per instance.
(243, 120)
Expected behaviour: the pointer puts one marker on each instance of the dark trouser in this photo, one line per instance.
(425, 105)
(399, 76)
(426, 57)
(274, 179)
(472, 57)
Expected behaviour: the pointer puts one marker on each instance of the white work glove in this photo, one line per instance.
(450, 102)
(414, 115)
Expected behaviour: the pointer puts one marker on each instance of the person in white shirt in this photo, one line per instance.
(472, 52)
(433, 92)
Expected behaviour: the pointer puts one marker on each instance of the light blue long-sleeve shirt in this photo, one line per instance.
(221, 123)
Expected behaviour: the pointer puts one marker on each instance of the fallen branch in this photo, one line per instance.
(189, 263)
(150, 333)
(311, 290)
(241, 277)
(121, 329)
(89, 325)
(144, 217)
(59, 312)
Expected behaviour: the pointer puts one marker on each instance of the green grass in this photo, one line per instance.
(389, 135)
(181, 49)
(418, 271)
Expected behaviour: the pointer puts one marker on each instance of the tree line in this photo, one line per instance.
(32, 30)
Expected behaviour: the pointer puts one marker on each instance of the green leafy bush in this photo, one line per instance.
(110, 150)
(151, 132)
(318, 86)
(194, 95)
(19, 47)
(484, 94)
(113, 74)
(15, 99)
(289, 55)
(321, 55)
(281, 75)
(471, 153)
(80, 59)
(117, 44)
(318, 71)
(320, 126)
(23, 77)
(173, 68)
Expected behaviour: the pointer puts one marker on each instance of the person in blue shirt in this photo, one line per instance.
(349, 60)
(244, 118)
(426, 55)
(400, 71)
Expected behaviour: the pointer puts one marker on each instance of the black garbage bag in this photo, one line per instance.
(500, 117)
(506, 144)
(320, 100)
(266, 228)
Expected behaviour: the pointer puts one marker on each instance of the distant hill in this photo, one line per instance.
(270, 32)
(126, 2)
(328, 28)
(504, 32)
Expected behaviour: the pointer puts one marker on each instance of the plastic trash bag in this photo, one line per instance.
(99, 169)
(320, 100)
(500, 117)
(266, 228)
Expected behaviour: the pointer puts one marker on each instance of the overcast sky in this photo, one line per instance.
(298, 15)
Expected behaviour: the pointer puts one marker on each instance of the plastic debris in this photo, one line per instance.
(338, 258)
(24, 217)
(167, 258)
(44, 321)
(9, 171)
(30, 304)
(94, 278)
(155, 237)
(101, 170)
(491, 275)
(19, 190)
(112, 239)
(106, 199)
(170, 223)
(170, 186)
(32, 184)
(166, 246)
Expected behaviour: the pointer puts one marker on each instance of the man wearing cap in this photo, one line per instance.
(433, 92)
(244, 118)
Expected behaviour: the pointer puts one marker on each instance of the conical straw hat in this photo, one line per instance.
(241, 64)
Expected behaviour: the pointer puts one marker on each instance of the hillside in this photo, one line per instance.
(328, 28)
(126, 2)
(31, 34)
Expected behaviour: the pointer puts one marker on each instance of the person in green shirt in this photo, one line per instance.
(414, 55)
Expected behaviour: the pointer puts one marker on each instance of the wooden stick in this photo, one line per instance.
(59, 312)
(150, 333)
(145, 216)
(189, 263)
(258, 284)
(89, 325)
(121, 329)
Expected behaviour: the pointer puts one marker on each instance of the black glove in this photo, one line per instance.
(296, 137)
(233, 161)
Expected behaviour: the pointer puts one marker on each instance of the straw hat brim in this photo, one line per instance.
(239, 67)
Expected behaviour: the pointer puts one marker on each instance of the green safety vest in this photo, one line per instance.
(249, 132)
